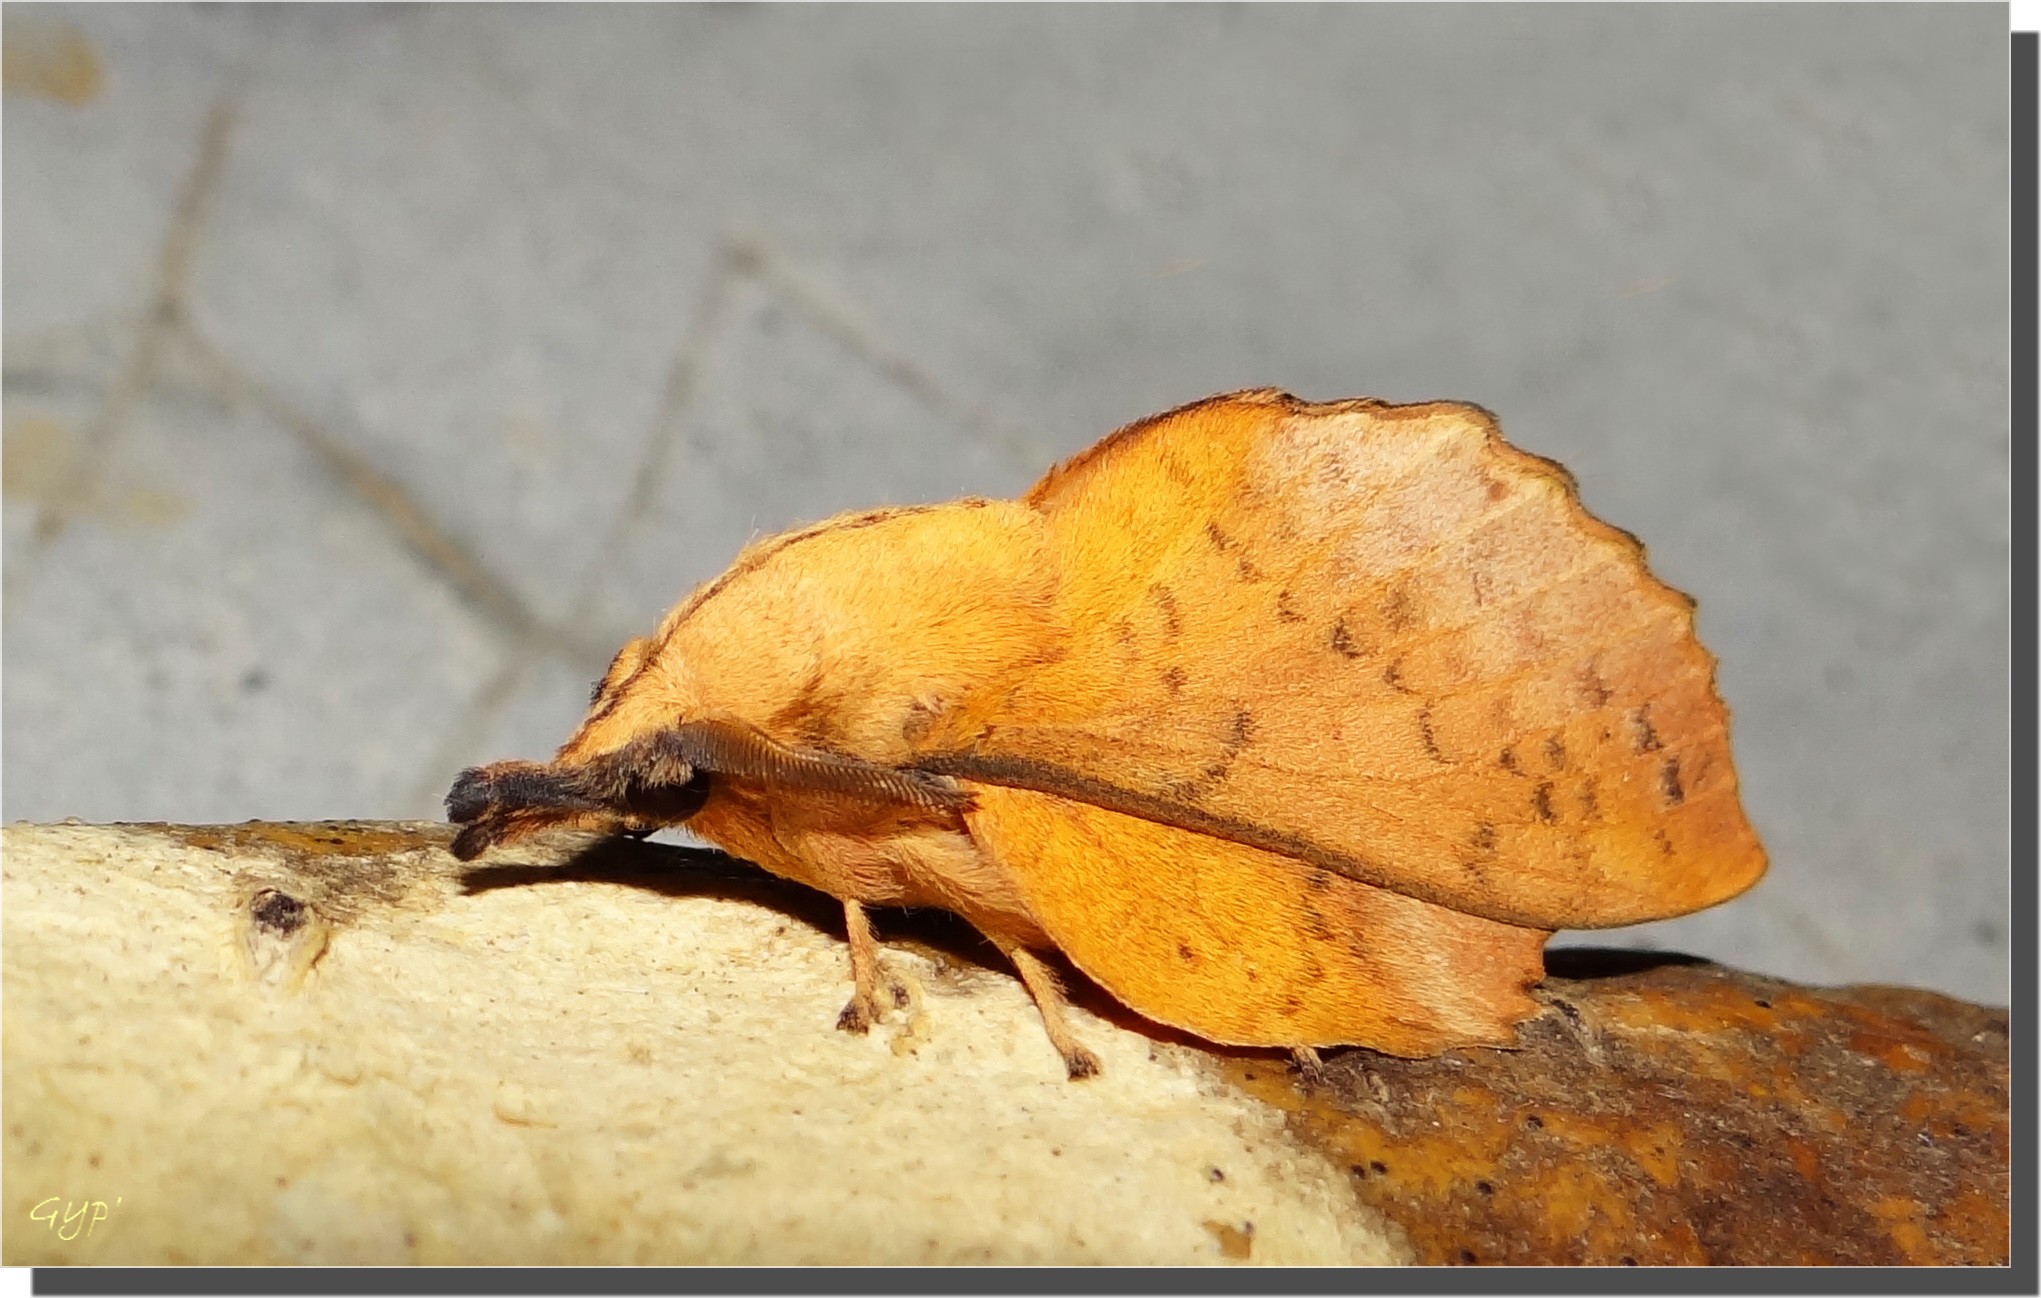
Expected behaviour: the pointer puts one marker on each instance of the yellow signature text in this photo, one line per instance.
(70, 1218)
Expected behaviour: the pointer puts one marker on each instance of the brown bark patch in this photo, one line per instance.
(1681, 1113)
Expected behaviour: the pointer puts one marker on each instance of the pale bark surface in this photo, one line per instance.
(333, 1043)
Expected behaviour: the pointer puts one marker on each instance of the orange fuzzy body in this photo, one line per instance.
(1289, 724)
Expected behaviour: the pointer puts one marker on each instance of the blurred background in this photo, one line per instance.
(372, 373)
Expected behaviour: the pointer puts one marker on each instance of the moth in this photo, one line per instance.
(1288, 724)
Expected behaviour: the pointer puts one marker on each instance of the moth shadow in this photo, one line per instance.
(1591, 963)
(675, 871)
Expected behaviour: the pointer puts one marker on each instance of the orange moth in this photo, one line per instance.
(1288, 724)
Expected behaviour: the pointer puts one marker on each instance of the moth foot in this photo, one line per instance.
(858, 1016)
(865, 1009)
(1310, 1068)
(1048, 993)
(1080, 1063)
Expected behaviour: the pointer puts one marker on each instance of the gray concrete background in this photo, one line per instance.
(371, 373)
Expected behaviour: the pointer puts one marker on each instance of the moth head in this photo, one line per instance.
(635, 789)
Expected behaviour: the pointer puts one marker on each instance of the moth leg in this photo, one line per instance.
(876, 989)
(1309, 1066)
(1048, 993)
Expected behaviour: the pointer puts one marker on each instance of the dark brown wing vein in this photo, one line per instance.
(1045, 777)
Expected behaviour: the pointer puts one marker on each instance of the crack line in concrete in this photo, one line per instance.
(51, 357)
(470, 579)
(826, 311)
(683, 378)
(739, 259)
(173, 274)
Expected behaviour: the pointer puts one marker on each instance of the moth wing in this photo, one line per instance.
(1245, 947)
(1381, 640)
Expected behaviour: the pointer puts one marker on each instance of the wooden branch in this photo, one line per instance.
(334, 1043)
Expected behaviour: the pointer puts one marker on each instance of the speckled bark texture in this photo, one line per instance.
(1683, 1113)
(334, 1043)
